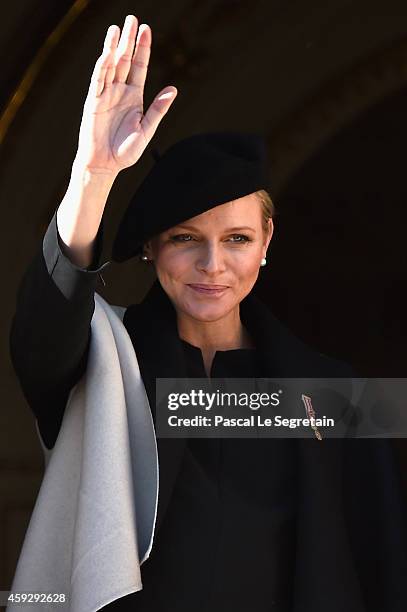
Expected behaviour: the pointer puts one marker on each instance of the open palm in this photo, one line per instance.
(114, 130)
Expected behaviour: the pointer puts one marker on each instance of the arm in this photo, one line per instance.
(51, 329)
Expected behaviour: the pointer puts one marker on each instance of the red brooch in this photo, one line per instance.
(311, 415)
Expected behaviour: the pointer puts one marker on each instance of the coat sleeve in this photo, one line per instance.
(51, 328)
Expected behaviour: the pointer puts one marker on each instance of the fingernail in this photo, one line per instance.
(167, 96)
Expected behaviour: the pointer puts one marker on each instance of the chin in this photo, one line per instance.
(206, 312)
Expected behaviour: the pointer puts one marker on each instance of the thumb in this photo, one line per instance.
(158, 108)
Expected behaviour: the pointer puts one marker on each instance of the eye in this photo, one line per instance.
(188, 238)
(245, 238)
(179, 237)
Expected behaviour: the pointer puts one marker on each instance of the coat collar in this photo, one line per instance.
(321, 532)
(153, 325)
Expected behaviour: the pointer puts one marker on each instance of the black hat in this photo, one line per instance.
(191, 177)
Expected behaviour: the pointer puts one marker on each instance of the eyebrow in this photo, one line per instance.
(228, 229)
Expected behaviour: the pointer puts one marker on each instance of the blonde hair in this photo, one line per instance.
(268, 207)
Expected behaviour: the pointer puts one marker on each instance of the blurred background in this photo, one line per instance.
(326, 82)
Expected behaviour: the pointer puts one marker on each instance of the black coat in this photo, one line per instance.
(351, 529)
(351, 534)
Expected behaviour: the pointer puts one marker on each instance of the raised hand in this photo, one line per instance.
(114, 131)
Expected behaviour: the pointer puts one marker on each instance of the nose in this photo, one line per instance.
(211, 259)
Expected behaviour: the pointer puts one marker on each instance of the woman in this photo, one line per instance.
(243, 524)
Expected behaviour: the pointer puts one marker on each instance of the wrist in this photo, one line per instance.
(96, 176)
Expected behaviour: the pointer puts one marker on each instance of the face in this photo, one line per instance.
(208, 264)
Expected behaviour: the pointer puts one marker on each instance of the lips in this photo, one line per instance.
(207, 286)
(208, 289)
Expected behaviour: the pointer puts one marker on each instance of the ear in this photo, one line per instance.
(147, 249)
(269, 235)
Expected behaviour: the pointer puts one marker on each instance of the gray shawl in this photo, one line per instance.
(78, 542)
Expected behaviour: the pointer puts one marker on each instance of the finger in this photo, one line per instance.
(125, 49)
(139, 63)
(157, 110)
(111, 48)
(104, 65)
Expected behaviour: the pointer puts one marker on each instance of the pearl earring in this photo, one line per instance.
(144, 258)
(263, 261)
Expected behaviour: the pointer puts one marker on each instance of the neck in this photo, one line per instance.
(224, 334)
